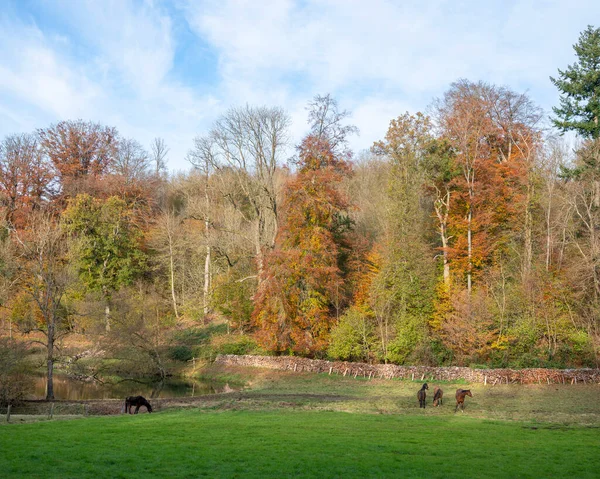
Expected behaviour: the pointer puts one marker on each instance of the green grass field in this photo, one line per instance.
(314, 425)
(197, 443)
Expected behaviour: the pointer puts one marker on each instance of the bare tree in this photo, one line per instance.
(42, 250)
(248, 143)
(131, 161)
(326, 122)
(158, 155)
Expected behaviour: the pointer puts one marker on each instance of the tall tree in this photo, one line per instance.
(26, 179)
(250, 143)
(158, 155)
(327, 122)
(80, 151)
(108, 245)
(42, 248)
(579, 86)
(405, 285)
(131, 161)
(295, 307)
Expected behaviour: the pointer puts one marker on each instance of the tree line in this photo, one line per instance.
(467, 235)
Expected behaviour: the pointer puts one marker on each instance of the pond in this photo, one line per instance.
(66, 388)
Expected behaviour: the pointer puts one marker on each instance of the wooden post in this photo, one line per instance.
(485, 380)
(8, 413)
(330, 369)
(51, 415)
(413, 377)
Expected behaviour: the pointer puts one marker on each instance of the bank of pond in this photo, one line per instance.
(71, 389)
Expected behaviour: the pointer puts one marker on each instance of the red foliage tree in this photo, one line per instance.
(25, 178)
(81, 152)
(304, 275)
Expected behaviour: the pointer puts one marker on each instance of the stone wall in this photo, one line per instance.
(390, 371)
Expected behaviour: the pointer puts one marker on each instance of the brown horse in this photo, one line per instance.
(421, 395)
(460, 398)
(438, 395)
(137, 401)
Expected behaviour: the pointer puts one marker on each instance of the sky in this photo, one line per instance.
(170, 68)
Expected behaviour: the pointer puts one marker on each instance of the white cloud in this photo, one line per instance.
(32, 72)
(116, 72)
(115, 61)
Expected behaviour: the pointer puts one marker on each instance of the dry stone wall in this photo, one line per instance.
(391, 371)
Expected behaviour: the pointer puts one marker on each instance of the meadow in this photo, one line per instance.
(314, 425)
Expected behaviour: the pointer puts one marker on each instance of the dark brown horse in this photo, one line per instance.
(438, 396)
(460, 398)
(137, 401)
(421, 395)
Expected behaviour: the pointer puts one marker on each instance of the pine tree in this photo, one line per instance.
(579, 85)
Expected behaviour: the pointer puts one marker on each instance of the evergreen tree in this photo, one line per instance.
(107, 246)
(579, 85)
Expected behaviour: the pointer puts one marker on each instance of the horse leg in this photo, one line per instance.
(137, 408)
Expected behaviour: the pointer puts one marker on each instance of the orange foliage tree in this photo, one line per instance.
(81, 152)
(25, 178)
(303, 285)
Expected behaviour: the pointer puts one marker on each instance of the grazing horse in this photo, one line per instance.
(438, 394)
(421, 395)
(460, 398)
(137, 401)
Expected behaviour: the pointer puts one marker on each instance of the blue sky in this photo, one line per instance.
(169, 68)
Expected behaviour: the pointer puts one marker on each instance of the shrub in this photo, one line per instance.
(16, 379)
(352, 337)
(234, 344)
(181, 353)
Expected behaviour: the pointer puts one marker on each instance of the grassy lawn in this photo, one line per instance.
(576, 405)
(291, 443)
(284, 424)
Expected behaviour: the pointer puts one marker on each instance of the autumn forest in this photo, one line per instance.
(468, 235)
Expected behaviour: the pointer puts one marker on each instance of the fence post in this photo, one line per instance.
(8, 413)
(51, 415)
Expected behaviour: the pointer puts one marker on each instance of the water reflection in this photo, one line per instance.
(66, 388)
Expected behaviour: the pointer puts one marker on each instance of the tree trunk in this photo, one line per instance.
(442, 207)
(206, 289)
(258, 250)
(528, 246)
(470, 249)
(548, 232)
(107, 316)
(207, 279)
(172, 267)
(50, 363)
